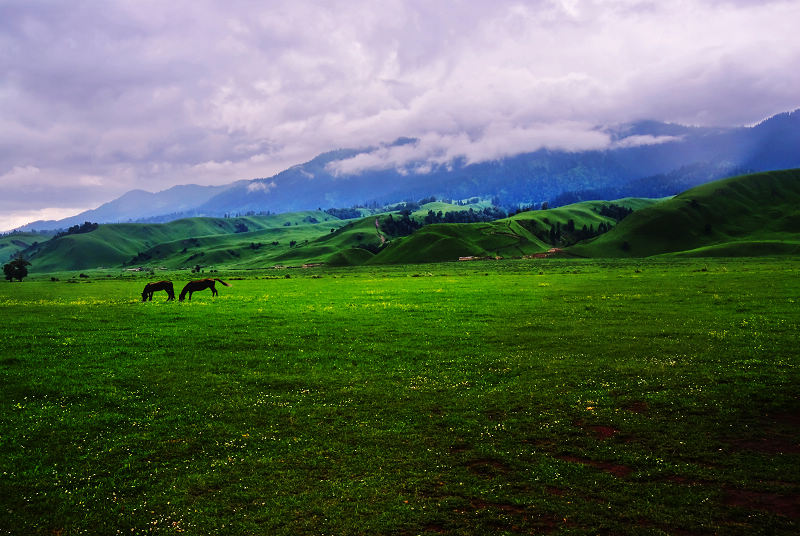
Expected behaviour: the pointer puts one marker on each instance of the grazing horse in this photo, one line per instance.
(200, 284)
(150, 288)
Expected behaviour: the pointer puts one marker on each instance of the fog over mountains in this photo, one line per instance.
(645, 159)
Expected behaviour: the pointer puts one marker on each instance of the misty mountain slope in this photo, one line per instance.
(777, 143)
(747, 215)
(645, 159)
(686, 155)
(138, 205)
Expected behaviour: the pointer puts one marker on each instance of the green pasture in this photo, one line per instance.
(542, 396)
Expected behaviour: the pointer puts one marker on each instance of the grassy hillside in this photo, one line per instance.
(183, 242)
(525, 233)
(256, 248)
(11, 244)
(444, 208)
(742, 216)
(348, 242)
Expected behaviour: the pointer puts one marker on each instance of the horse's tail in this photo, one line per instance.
(184, 291)
(223, 282)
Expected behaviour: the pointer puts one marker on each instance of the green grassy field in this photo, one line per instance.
(513, 397)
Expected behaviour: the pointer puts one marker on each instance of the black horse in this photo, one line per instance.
(150, 288)
(200, 284)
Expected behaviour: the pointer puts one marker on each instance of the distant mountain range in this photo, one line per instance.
(749, 215)
(632, 167)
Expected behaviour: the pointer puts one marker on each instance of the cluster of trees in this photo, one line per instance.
(465, 216)
(16, 269)
(615, 212)
(407, 204)
(403, 225)
(229, 215)
(410, 206)
(590, 232)
(85, 227)
(564, 235)
(344, 213)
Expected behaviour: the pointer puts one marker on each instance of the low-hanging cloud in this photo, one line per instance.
(260, 186)
(104, 97)
(498, 141)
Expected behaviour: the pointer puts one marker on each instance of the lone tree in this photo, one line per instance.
(16, 269)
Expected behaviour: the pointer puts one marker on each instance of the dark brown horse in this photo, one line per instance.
(150, 288)
(200, 284)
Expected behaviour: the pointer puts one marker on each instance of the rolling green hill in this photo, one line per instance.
(13, 243)
(181, 243)
(748, 215)
(440, 206)
(526, 233)
(351, 242)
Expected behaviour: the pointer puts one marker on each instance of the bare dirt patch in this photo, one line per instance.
(487, 468)
(554, 490)
(598, 431)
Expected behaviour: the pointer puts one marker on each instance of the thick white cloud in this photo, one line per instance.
(103, 97)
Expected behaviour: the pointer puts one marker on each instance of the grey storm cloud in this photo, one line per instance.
(101, 97)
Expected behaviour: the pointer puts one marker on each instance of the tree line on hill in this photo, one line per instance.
(85, 227)
(568, 234)
(465, 216)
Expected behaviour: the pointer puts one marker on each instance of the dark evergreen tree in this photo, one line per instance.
(16, 269)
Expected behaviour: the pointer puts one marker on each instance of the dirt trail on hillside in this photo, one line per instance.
(380, 235)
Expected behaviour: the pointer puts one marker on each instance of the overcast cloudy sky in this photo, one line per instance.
(101, 97)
